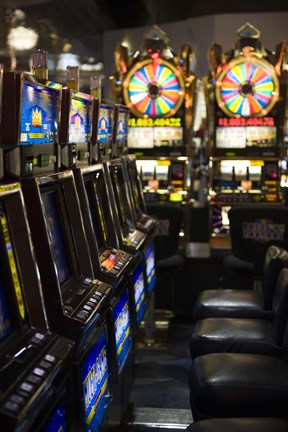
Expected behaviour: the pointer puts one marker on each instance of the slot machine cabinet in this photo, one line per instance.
(75, 131)
(1, 150)
(123, 271)
(77, 305)
(246, 91)
(122, 209)
(158, 87)
(35, 363)
(116, 266)
(144, 222)
(29, 131)
(129, 237)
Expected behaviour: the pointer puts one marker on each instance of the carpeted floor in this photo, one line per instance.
(160, 395)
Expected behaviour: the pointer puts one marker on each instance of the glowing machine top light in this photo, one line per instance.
(247, 87)
(154, 88)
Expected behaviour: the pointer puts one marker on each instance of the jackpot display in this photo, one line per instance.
(247, 90)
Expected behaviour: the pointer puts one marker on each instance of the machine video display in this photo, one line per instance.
(118, 183)
(58, 421)
(150, 268)
(122, 328)
(5, 325)
(94, 372)
(105, 122)
(79, 120)
(139, 293)
(39, 116)
(96, 211)
(51, 207)
(122, 124)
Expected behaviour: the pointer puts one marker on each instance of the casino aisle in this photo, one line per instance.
(160, 395)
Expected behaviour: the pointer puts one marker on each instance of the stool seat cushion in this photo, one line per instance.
(262, 424)
(234, 335)
(238, 385)
(235, 303)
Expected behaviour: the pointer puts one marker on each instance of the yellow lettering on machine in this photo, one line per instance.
(13, 267)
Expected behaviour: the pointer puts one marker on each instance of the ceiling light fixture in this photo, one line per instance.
(22, 38)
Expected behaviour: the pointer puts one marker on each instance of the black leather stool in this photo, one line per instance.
(244, 303)
(262, 424)
(246, 335)
(239, 385)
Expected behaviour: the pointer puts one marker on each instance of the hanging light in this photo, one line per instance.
(22, 38)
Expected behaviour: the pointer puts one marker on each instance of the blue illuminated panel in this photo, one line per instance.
(5, 326)
(150, 268)
(79, 120)
(105, 123)
(122, 125)
(139, 293)
(122, 328)
(96, 384)
(39, 115)
(58, 422)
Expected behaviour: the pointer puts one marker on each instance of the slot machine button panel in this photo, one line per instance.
(12, 406)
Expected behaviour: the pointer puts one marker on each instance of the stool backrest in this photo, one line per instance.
(276, 258)
(280, 305)
(169, 220)
(254, 228)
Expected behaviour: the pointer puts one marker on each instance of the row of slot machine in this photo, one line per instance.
(77, 270)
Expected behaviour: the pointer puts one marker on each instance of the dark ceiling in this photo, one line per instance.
(79, 25)
(84, 21)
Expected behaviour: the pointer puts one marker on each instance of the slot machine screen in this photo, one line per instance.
(96, 211)
(118, 183)
(150, 268)
(122, 123)
(9, 277)
(39, 114)
(135, 187)
(139, 293)
(79, 120)
(105, 122)
(58, 420)
(94, 371)
(52, 211)
(5, 324)
(122, 328)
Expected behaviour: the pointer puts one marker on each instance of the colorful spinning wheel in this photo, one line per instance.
(247, 87)
(154, 88)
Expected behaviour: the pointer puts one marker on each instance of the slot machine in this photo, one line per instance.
(77, 304)
(158, 87)
(247, 91)
(35, 363)
(111, 264)
(144, 222)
